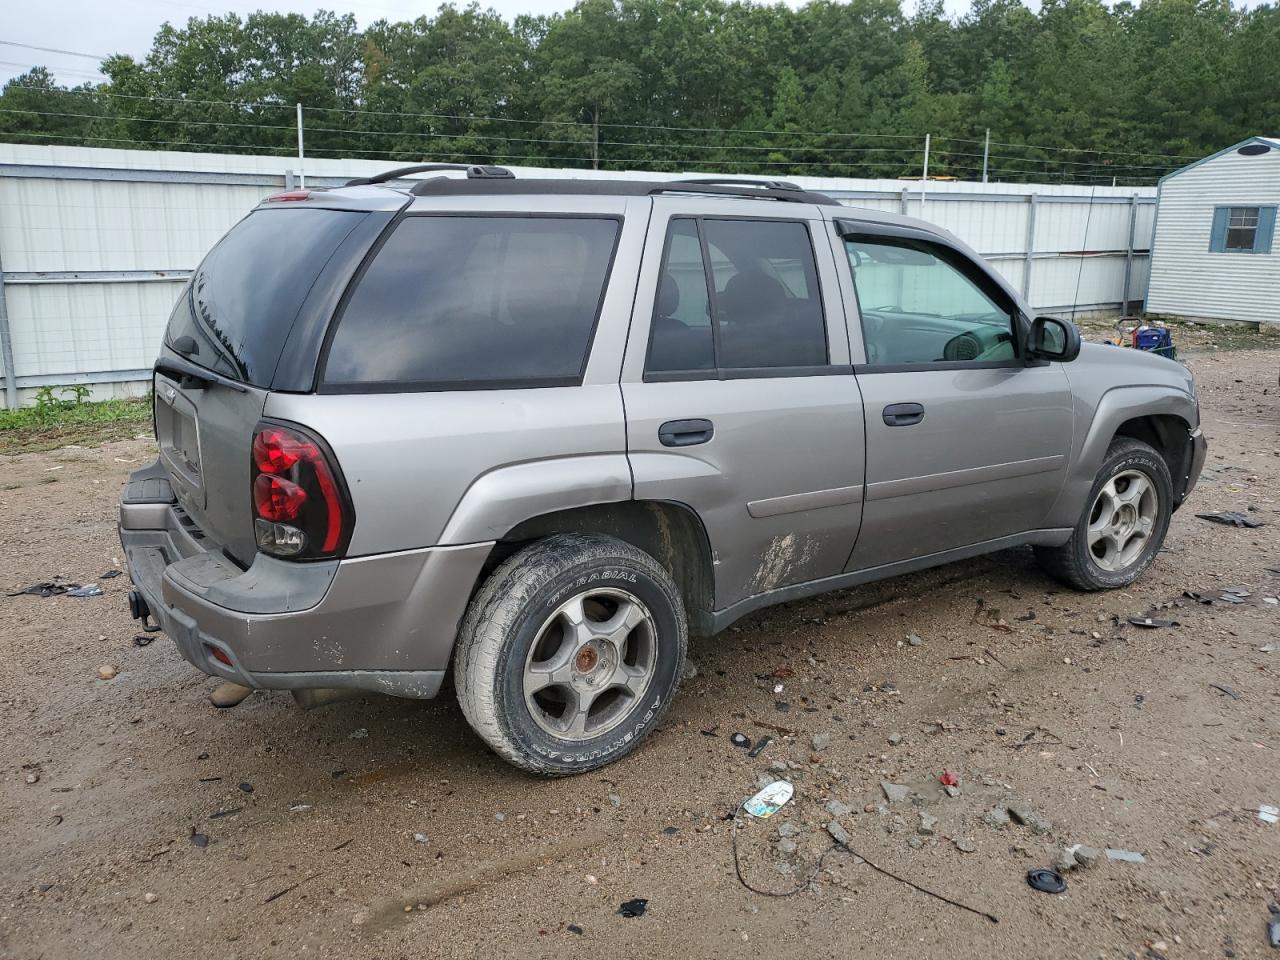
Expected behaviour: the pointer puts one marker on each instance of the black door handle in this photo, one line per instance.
(903, 414)
(685, 433)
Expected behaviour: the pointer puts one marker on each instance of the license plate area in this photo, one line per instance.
(178, 434)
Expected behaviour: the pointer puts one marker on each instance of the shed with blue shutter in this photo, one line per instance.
(1215, 254)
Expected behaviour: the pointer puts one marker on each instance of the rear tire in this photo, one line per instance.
(1123, 524)
(570, 653)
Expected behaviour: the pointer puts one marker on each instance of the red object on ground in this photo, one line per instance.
(949, 779)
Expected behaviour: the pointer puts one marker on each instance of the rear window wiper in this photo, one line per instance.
(190, 375)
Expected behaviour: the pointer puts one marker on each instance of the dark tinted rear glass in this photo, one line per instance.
(476, 301)
(244, 297)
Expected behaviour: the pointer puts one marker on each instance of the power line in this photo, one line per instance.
(58, 70)
(69, 53)
(912, 138)
(440, 136)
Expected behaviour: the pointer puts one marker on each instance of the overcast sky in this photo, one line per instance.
(128, 26)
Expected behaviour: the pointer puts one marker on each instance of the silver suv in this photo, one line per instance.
(531, 434)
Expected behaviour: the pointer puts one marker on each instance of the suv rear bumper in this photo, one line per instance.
(384, 623)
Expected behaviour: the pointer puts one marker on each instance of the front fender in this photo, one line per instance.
(503, 498)
(1114, 408)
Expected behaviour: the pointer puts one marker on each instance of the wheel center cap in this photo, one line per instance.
(586, 659)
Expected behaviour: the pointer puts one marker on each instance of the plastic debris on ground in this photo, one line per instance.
(109, 575)
(760, 745)
(633, 908)
(88, 590)
(46, 588)
(1151, 623)
(1231, 518)
(1046, 881)
(949, 779)
(741, 740)
(143, 639)
(770, 800)
(1269, 814)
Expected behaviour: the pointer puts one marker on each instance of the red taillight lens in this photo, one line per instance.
(289, 195)
(278, 499)
(301, 509)
(275, 451)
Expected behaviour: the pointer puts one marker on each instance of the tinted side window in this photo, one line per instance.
(763, 298)
(920, 305)
(245, 295)
(476, 301)
(680, 338)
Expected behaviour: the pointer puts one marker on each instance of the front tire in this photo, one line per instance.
(570, 653)
(1123, 525)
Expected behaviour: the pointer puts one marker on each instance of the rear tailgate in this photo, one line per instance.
(205, 435)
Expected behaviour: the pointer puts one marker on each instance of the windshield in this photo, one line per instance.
(242, 300)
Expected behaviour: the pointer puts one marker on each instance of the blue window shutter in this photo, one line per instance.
(1218, 238)
(1266, 230)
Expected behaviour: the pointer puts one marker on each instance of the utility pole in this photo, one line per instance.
(986, 152)
(301, 178)
(924, 177)
(595, 137)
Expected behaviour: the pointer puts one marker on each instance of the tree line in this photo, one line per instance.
(1075, 91)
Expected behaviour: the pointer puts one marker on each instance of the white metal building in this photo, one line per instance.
(95, 245)
(1215, 255)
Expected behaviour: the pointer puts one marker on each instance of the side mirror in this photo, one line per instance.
(1053, 339)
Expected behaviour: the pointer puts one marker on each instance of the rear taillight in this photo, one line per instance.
(300, 507)
(289, 196)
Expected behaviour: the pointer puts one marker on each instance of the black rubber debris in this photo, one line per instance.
(670, 831)
(574, 928)
(110, 575)
(1046, 881)
(1231, 518)
(1151, 623)
(759, 747)
(45, 589)
(143, 639)
(741, 740)
(634, 908)
(199, 840)
(247, 787)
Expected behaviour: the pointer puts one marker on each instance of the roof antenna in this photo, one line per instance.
(1075, 300)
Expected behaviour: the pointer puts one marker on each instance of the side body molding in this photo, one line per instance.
(503, 498)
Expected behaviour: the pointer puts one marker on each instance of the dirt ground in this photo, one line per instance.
(1161, 741)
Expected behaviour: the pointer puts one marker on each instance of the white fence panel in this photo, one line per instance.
(94, 244)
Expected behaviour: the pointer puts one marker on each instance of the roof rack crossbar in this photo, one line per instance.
(474, 172)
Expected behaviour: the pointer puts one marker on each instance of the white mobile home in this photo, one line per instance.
(1215, 254)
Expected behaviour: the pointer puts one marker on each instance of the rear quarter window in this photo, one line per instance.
(455, 302)
(245, 295)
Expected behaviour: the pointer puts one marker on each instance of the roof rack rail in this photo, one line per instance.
(757, 189)
(539, 186)
(474, 172)
(747, 181)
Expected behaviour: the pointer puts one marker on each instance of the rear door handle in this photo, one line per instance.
(685, 433)
(903, 414)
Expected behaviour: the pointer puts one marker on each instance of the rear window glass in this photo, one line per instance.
(476, 301)
(243, 298)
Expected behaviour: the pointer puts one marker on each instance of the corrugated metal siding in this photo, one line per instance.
(60, 216)
(1188, 280)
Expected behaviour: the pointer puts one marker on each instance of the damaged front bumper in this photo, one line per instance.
(385, 623)
(1199, 451)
